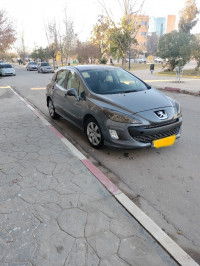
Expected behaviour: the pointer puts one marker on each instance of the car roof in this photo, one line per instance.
(93, 67)
(89, 67)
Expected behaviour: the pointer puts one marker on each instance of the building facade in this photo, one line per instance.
(152, 25)
(142, 22)
(171, 21)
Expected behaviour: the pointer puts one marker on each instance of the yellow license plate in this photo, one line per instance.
(168, 141)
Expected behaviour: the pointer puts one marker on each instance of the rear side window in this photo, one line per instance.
(60, 78)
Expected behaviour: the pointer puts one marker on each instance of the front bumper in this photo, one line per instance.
(131, 136)
(8, 73)
(47, 70)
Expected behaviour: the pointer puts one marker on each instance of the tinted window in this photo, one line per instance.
(112, 81)
(60, 78)
(45, 64)
(73, 81)
(6, 66)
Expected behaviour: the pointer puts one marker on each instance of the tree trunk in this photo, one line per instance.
(124, 62)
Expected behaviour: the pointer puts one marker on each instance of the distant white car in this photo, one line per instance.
(158, 60)
(141, 60)
(7, 70)
(32, 66)
(45, 67)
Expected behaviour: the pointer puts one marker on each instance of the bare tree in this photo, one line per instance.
(120, 37)
(51, 32)
(69, 39)
(7, 32)
(21, 48)
(152, 44)
(87, 52)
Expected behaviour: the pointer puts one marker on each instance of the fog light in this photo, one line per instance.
(113, 134)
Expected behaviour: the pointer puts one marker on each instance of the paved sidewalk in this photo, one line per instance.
(53, 210)
(170, 83)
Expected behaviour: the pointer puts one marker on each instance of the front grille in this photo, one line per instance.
(165, 123)
(159, 135)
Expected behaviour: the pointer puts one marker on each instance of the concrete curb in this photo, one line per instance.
(178, 254)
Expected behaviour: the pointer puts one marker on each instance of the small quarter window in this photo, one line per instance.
(60, 78)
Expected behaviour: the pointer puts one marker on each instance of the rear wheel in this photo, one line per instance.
(52, 112)
(94, 134)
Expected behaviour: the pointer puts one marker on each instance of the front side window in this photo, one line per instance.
(60, 78)
(73, 81)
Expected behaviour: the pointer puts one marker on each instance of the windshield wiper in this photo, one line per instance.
(128, 91)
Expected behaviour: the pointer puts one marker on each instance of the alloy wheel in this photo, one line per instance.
(94, 134)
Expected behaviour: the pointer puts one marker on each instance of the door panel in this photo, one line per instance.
(73, 108)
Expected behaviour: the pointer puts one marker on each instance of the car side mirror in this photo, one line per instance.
(73, 92)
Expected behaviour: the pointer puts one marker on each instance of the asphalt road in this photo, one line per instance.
(164, 183)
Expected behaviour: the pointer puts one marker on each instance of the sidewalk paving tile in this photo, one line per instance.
(53, 211)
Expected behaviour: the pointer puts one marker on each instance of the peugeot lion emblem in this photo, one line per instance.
(162, 114)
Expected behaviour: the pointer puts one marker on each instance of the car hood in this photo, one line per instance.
(134, 102)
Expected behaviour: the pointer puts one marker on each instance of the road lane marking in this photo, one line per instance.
(167, 80)
(5, 87)
(160, 80)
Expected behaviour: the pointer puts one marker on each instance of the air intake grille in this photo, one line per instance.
(159, 135)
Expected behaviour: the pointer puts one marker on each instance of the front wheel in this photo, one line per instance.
(52, 112)
(94, 134)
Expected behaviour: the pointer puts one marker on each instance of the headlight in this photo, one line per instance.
(119, 117)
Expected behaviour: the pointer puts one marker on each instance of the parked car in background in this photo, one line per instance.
(32, 66)
(7, 70)
(45, 67)
(158, 60)
(141, 60)
(113, 107)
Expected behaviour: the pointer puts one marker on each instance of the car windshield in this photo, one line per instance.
(6, 66)
(112, 81)
(32, 63)
(44, 64)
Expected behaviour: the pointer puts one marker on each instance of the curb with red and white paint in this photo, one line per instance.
(178, 254)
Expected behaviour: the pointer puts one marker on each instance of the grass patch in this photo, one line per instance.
(186, 72)
(135, 66)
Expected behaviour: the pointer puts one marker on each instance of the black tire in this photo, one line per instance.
(93, 133)
(52, 112)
